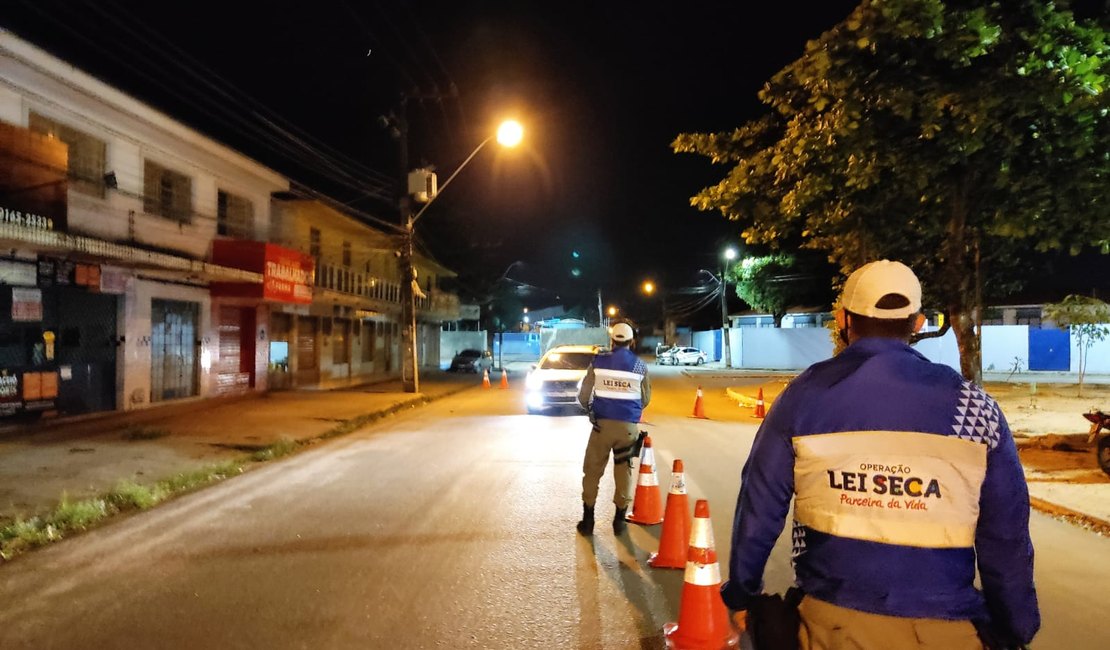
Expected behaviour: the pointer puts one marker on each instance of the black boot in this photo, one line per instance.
(618, 521)
(586, 526)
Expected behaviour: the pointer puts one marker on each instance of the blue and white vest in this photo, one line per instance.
(617, 379)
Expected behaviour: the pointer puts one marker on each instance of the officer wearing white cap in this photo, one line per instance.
(905, 480)
(615, 391)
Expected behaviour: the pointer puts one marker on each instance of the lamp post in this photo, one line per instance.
(509, 134)
(729, 255)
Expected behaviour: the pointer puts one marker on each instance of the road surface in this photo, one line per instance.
(451, 526)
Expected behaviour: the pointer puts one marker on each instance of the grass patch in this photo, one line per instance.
(136, 433)
(282, 447)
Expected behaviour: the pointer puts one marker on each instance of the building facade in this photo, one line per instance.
(143, 263)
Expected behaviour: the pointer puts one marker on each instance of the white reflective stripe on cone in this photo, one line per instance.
(648, 457)
(703, 575)
(678, 483)
(701, 535)
(648, 479)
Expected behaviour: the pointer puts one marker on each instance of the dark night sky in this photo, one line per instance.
(602, 88)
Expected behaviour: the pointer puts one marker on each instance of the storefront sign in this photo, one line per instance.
(287, 275)
(19, 274)
(113, 280)
(26, 304)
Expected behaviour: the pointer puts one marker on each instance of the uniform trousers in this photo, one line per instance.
(829, 627)
(609, 436)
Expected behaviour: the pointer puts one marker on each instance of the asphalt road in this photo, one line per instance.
(451, 526)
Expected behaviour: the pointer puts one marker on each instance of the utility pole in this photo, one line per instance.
(410, 366)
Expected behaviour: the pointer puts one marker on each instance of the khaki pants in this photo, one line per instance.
(608, 436)
(829, 627)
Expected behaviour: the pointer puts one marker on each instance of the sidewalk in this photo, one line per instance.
(87, 457)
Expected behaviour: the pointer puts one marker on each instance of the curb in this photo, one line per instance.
(1074, 517)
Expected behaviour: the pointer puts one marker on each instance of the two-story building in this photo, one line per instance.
(350, 333)
(142, 262)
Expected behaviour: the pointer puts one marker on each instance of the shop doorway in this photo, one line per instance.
(173, 342)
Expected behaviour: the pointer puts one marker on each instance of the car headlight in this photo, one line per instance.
(532, 382)
(534, 400)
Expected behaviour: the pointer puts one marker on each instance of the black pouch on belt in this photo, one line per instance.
(773, 620)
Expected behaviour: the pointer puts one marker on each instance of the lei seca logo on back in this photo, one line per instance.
(616, 383)
(891, 480)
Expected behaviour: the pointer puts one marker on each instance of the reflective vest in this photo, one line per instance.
(904, 476)
(617, 379)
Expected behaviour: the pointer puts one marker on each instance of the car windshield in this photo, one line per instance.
(470, 354)
(567, 361)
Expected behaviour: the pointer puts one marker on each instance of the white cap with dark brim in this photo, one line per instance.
(621, 332)
(882, 289)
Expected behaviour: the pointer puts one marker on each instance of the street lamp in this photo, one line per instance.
(509, 134)
(649, 288)
(729, 255)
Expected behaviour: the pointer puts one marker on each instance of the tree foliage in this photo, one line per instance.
(1087, 319)
(954, 136)
(773, 284)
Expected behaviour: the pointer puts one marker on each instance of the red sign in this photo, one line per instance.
(287, 275)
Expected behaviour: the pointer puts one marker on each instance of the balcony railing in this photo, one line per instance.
(345, 280)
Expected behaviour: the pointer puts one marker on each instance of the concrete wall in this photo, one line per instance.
(783, 349)
(451, 343)
(1002, 344)
(1098, 356)
(797, 349)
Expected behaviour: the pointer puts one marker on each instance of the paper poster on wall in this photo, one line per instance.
(26, 304)
(18, 273)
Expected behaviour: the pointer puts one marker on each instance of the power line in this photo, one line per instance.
(276, 145)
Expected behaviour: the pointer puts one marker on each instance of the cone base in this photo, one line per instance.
(675, 640)
(657, 562)
(644, 521)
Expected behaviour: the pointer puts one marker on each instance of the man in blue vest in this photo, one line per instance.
(905, 480)
(615, 391)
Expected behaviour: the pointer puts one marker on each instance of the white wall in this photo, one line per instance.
(1098, 356)
(784, 349)
(451, 343)
(1001, 344)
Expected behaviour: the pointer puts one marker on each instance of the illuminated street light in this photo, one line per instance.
(612, 311)
(509, 134)
(729, 255)
(648, 287)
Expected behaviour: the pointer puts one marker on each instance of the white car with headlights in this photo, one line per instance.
(555, 380)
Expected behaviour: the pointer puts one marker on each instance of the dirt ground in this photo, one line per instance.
(1051, 432)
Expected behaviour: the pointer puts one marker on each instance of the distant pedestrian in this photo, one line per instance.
(905, 479)
(615, 391)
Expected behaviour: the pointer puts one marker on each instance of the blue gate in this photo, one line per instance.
(1049, 349)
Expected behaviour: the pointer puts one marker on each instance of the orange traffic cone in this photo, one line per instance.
(699, 408)
(504, 378)
(759, 411)
(702, 618)
(485, 378)
(676, 525)
(647, 506)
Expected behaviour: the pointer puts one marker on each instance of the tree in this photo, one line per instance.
(958, 137)
(1087, 319)
(773, 284)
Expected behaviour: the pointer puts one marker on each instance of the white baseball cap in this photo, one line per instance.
(882, 289)
(621, 332)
